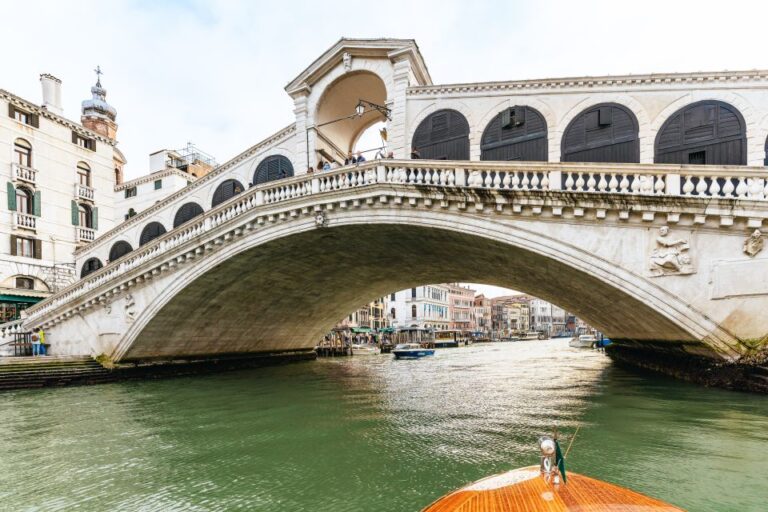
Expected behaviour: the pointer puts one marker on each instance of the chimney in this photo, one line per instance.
(51, 93)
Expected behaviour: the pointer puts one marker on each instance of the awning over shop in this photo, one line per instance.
(20, 298)
(360, 330)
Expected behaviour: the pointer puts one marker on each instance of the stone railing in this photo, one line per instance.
(83, 192)
(640, 179)
(24, 221)
(8, 331)
(24, 173)
(84, 235)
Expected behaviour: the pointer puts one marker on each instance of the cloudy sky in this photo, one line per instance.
(213, 72)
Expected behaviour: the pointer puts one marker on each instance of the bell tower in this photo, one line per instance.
(98, 115)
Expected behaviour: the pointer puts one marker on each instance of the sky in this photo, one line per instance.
(213, 72)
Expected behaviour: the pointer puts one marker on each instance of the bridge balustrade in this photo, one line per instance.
(641, 179)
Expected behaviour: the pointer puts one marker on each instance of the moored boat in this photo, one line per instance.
(583, 341)
(365, 349)
(546, 488)
(412, 351)
(532, 335)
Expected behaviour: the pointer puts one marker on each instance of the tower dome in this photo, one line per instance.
(97, 114)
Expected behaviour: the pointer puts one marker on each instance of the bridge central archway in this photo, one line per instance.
(337, 128)
(283, 291)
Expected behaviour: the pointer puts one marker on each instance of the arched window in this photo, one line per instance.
(227, 190)
(83, 174)
(443, 135)
(91, 265)
(703, 133)
(273, 167)
(603, 133)
(22, 152)
(150, 232)
(186, 213)
(85, 216)
(25, 202)
(516, 133)
(119, 249)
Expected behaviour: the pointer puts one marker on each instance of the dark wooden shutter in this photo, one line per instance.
(34, 120)
(92, 144)
(13, 245)
(74, 137)
(38, 249)
(75, 214)
(11, 110)
(11, 196)
(95, 218)
(37, 204)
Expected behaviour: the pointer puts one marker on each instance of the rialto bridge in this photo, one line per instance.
(634, 202)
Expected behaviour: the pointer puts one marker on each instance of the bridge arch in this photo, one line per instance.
(708, 132)
(119, 249)
(150, 232)
(516, 133)
(283, 259)
(225, 191)
(442, 135)
(606, 132)
(90, 265)
(273, 167)
(186, 212)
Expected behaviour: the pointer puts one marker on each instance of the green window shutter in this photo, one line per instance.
(95, 218)
(13, 245)
(11, 197)
(37, 204)
(38, 249)
(75, 214)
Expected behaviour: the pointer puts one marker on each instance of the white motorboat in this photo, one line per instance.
(365, 349)
(583, 341)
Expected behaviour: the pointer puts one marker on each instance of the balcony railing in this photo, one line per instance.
(23, 173)
(84, 235)
(24, 221)
(83, 192)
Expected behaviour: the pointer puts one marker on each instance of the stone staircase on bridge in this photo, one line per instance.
(35, 372)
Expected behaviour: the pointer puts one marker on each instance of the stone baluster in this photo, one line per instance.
(580, 181)
(569, 181)
(613, 183)
(534, 181)
(659, 186)
(591, 182)
(602, 184)
(524, 184)
(497, 180)
(688, 186)
(728, 187)
(624, 184)
(742, 188)
(545, 184)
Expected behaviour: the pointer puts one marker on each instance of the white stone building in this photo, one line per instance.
(423, 306)
(58, 194)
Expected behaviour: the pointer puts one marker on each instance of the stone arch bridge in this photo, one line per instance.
(661, 256)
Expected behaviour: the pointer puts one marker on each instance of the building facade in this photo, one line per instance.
(482, 314)
(58, 195)
(424, 307)
(461, 304)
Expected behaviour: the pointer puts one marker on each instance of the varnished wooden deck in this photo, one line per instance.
(525, 490)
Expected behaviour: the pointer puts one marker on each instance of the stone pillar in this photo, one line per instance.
(303, 155)
(397, 128)
(672, 185)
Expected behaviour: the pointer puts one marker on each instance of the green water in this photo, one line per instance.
(371, 433)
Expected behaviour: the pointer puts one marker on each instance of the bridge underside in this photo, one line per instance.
(284, 295)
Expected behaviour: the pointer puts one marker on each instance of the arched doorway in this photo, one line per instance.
(187, 212)
(272, 168)
(604, 133)
(150, 232)
(703, 133)
(516, 133)
(337, 123)
(443, 135)
(225, 191)
(119, 249)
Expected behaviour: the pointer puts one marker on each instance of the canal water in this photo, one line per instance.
(370, 433)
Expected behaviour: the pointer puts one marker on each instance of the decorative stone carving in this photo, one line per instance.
(130, 308)
(670, 256)
(754, 243)
(347, 61)
(107, 305)
(320, 220)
